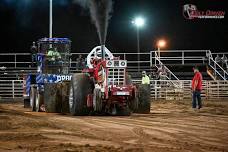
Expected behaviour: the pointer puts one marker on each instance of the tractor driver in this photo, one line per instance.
(50, 55)
(53, 55)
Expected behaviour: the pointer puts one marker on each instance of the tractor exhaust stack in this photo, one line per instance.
(103, 51)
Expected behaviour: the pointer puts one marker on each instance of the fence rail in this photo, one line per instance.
(181, 89)
(23, 60)
(180, 56)
(11, 89)
(160, 89)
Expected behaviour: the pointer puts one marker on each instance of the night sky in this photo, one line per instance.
(24, 21)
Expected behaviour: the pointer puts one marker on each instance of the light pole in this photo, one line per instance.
(160, 44)
(138, 22)
(50, 19)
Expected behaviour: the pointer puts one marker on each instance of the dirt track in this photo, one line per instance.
(170, 127)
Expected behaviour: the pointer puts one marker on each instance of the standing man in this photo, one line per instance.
(224, 62)
(145, 78)
(196, 89)
(33, 53)
(79, 62)
(218, 59)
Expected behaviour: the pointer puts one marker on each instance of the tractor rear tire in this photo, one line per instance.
(52, 97)
(133, 104)
(33, 91)
(80, 88)
(144, 101)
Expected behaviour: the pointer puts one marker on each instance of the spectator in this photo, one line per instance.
(217, 59)
(128, 79)
(79, 63)
(224, 62)
(196, 89)
(33, 53)
(162, 73)
(85, 63)
(154, 74)
(3, 68)
(206, 59)
(145, 78)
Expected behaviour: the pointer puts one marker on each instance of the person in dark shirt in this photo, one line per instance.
(224, 62)
(79, 63)
(218, 59)
(33, 53)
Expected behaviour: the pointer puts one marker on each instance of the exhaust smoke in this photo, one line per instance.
(100, 11)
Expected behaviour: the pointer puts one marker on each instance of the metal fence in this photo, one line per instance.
(133, 65)
(180, 57)
(15, 59)
(23, 60)
(147, 59)
(160, 89)
(181, 89)
(11, 89)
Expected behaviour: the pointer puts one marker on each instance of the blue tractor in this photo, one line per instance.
(47, 88)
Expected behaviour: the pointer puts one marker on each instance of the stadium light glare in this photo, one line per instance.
(139, 22)
(161, 43)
